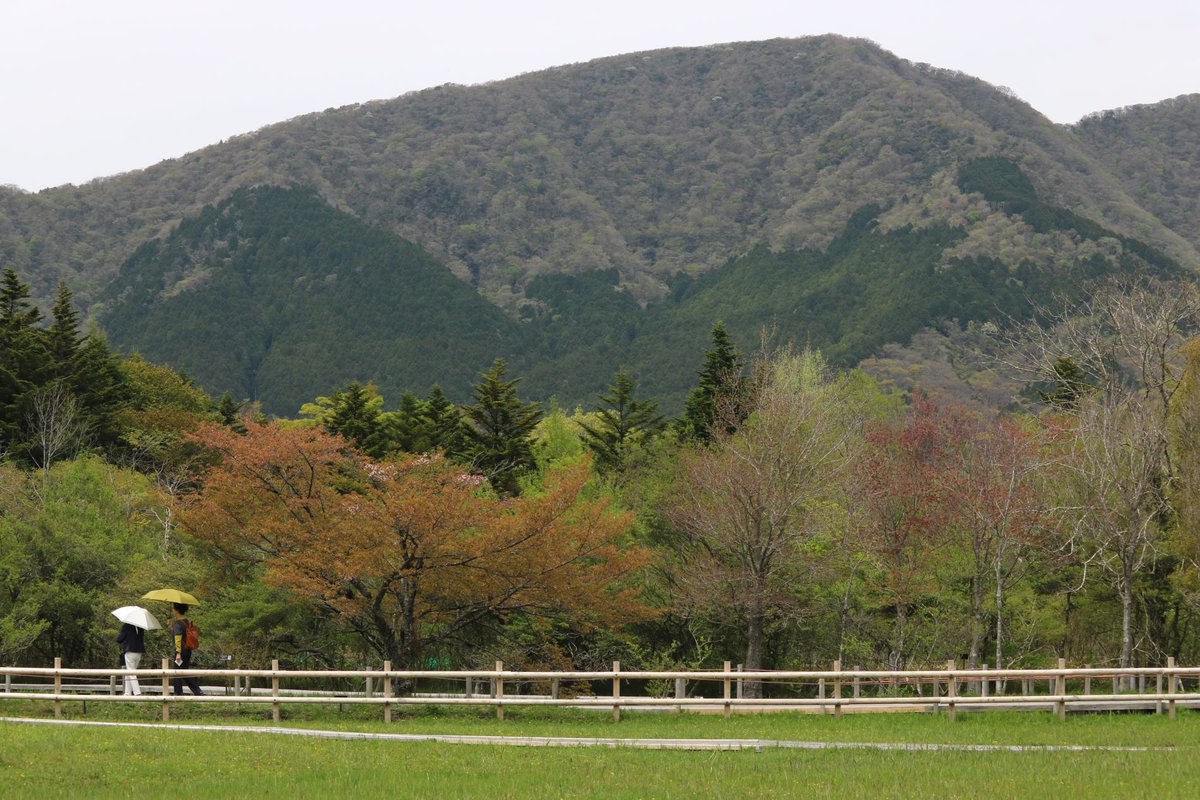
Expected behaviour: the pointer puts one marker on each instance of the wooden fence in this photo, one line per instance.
(828, 691)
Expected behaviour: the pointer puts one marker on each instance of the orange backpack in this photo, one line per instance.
(191, 635)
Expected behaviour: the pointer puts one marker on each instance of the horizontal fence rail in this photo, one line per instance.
(1161, 689)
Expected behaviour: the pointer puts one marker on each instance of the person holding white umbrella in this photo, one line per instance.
(132, 638)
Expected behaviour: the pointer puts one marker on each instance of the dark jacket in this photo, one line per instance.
(132, 639)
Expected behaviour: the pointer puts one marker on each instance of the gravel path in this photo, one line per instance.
(572, 741)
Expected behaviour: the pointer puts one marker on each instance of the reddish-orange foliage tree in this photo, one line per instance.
(905, 492)
(411, 554)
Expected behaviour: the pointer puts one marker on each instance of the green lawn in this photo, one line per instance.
(36, 761)
(1030, 727)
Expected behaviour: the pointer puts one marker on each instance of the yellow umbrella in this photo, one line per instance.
(171, 596)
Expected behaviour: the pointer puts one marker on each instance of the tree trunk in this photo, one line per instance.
(754, 649)
(999, 577)
(978, 622)
(1126, 628)
(897, 656)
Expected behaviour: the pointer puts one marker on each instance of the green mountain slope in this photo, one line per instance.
(870, 287)
(275, 295)
(1155, 151)
(653, 164)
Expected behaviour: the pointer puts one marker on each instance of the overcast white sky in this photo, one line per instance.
(91, 88)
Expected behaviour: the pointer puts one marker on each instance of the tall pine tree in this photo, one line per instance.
(357, 416)
(444, 424)
(497, 431)
(623, 421)
(62, 337)
(720, 381)
(98, 382)
(23, 358)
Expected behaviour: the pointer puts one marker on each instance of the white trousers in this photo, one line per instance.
(131, 682)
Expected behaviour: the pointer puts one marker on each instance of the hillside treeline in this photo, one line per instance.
(790, 516)
(273, 294)
(653, 164)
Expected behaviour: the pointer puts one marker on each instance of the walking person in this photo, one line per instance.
(133, 643)
(187, 638)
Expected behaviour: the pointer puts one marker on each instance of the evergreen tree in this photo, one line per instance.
(443, 423)
(357, 417)
(12, 393)
(623, 421)
(16, 312)
(22, 354)
(720, 380)
(62, 337)
(498, 428)
(1070, 384)
(407, 425)
(97, 381)
(230, 413)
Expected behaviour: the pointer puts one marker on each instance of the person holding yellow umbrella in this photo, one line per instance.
(184, 632)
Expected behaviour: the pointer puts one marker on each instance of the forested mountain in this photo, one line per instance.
(651, 163)
(273, 293)
(612, 210)
(277, 296)
(1155, 151)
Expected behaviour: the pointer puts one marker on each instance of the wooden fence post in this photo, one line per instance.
(616, 694)
(1061, 704)
(680, 692)
(112, 683)
(858, 684)
(951, 689)
(1171, 686)
(821, 694)
(984, 684)
(740, 684)
(837, 690)
(275, 690)
(555, 688)
(727, 681)
(1087, 680)
(166, 691)
(387, 692)
(1158, 686)
(499, 691)
(470, 685)
(57, 688)
(370, 686)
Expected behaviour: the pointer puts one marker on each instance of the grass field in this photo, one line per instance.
(36, 761)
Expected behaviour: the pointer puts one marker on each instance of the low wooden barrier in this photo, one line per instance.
(949, 689)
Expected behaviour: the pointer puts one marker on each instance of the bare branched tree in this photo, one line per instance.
(1005, 514)
(750, 500)
(1123, 342)
(54, 423)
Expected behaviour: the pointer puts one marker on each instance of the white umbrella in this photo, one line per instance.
(137, 616)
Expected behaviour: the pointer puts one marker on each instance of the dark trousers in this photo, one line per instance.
(191, 682)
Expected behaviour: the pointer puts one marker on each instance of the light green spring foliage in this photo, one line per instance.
(158, 386)
(65, 545)
(558, 437)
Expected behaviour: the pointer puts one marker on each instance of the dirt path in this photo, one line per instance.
(570, 741)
